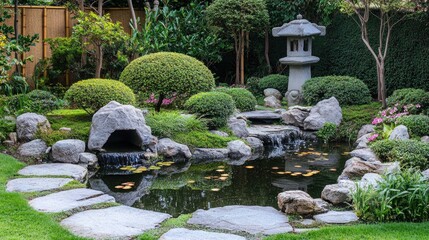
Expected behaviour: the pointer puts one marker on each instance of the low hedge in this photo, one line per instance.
(418, 125)
(243, 99)
(93, 94)
(216, 107)
(276, 81)
(347, 90)
(413, 96)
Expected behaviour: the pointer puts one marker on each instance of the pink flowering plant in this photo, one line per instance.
(165, 102)
(386, 120)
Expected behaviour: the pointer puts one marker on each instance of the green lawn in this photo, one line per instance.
(17, 219)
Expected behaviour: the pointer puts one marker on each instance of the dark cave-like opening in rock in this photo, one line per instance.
(123, 141)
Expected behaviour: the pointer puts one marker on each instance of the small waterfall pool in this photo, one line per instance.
(183, 188)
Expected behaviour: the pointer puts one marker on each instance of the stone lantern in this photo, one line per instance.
(299, 35)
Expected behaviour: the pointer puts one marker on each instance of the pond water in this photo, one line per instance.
(182, 188)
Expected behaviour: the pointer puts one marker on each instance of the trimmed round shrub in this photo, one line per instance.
(243, 99)
(166, 74)
(275, 81)
(410, 96)
(93, 94)
(347, 90)
(216, 107)
(418, 125)
(40, 101)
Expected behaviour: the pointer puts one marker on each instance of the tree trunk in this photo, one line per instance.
(99, 66)
(133, 13)
(237, 58)
(100, 8)
(159, 103)
(242, 58)
(83, 55)
(266, 52)
(15, 26)
(382, 82)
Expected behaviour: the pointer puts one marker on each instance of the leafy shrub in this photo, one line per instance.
(243, 99)
(276, 81)
(252, 84)
(15, 103)
(327, 132)
(6, 127)
(407, 96)
(93, 94)
(166, 74)
(214, 106)
(205, 139)
(410, 153)
(418, 125)
(169, 124)
(42, 101)
(347, 90)
(400, 196)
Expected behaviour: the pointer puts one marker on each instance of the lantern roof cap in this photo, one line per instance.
(299, 28)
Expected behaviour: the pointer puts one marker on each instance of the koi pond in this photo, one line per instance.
(180, 188)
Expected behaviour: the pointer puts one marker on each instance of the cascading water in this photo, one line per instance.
(110, 162)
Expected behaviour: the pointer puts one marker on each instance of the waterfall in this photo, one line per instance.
(110, 162)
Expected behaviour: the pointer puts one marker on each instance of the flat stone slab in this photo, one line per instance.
(56, 169)
(336, 217)
(261, 115)
(251, 219)
(70, 199)
(186, 234)
(120, 222)
(36, 184)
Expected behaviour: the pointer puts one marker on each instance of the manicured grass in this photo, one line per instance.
(382, 231)
(17, 219)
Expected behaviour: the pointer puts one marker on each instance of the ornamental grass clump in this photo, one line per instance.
(216, 107)
(400, 196)
(93, 94)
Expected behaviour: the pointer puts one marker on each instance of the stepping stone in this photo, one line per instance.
(251, 219)
(120, 222)
(186, 234)
(336, 217)
(70, 199)
(261, 115)
(56, 169)
(36, 184)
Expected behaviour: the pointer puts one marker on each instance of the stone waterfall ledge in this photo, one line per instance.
(119, 222)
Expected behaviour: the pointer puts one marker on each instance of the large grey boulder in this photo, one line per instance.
(365, 154)
(363, 141)
(220, 133)
(238, 149)
(399, 133)
(298, 202)
(327, 110)
(119, 222)
(339, 193)
(56, 169)
(88, 159)
(365, 129)
(425, 139)
(36, 184)
(117, 117)
(250, 219)
(273, 92)
(370, 179)
(70, 199)
(35, 148)
(272, 102)
(28, 124)
(171, 149)
(255, 143)
(68, 151)
(238, 127)
(186, 234)
(425, 174)
(295, 117)
(356, 168)
(210, 154)
(336, 217)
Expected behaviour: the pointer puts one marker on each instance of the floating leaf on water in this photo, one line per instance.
(325, 154)
(215, 189)
(288, 172)
(166, 165)
(298, 166)
(127, 187)
(297, 173)
(345, 153)
(275, 168)
(154, 168)
(223, 178)
(307, 175)
(143, 169)
(215, 177)
(315, 172)
(132, 169)
(137, 171)
(220, 170)
(250, 167)
(333, 169)
(208, 177)
(191, 181)
(221, 166)
(159, 163)
(311, 149)
(281, 173)
(308, 170)
(224, 175)
(119, 187)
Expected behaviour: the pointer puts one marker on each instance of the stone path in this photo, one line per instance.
(36, 184)
(70, 199)
(114, 222)
(336, 217)
(186, 234)
(56, 169)
(251, 219)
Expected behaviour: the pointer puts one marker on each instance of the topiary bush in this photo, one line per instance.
(276, 81)
(167, 74)
(243, 99)
(93, 94)
(216, 107)
(347, 90)
(418, 125)
(410, 153)
(413, 96)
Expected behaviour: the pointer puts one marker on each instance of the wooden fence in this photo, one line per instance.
(52, 22)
